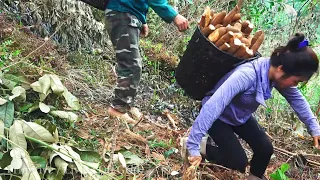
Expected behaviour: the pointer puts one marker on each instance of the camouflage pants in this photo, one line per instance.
(124, 31)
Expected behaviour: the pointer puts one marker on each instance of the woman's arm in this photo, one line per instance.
(238, 82)
(300, 105)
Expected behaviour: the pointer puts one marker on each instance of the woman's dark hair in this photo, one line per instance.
(295, 60)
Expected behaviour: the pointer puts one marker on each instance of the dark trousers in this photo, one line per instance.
(124, 30)
(230, 153)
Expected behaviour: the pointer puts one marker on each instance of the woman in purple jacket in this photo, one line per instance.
(239, 93)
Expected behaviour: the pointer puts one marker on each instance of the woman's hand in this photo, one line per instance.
(316, 140)
(195, 160)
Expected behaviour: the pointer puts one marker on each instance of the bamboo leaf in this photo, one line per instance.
(36, 131)
(6, 113)
(16, 135)
(43, 107)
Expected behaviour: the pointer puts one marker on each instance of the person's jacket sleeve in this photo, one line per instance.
(163, 9)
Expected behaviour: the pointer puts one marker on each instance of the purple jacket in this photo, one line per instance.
(238, 94)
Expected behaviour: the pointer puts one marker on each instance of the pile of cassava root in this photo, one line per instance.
(229, 33)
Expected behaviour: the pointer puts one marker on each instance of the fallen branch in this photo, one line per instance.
(214, 165)
(288, 153)
(167, 113)
(211, 173)
(135, 136)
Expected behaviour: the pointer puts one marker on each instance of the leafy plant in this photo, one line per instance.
(279, 174)
(33, 148)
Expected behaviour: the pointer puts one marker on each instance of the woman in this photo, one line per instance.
(239, 93)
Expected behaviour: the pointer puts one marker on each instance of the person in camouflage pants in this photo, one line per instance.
(125, 22)
(124, 31)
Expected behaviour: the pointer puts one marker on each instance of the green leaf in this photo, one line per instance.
(39, 162)
(72, 101)
(34, 107)
(89, 156)
(8, 83)
(26, 107)
(1, 129)
(83, 169)
(19, 94)
(36, 131)
(43, 107)
(16, 135)
(31, 176)
(42, 86)
(284, 167)
(132, 158)
(3, 101)
(28, 169)
(57, 153)
(6, 113)
(36, 87)
(20, 79)
(56, 85)
(45, 83)
(72, 117)
(52, 128)
(5, 160)
(61, 166)
(169, 152)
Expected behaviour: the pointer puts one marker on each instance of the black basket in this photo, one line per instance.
(99, 4)
(203, 65)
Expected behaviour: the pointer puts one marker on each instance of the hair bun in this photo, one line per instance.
(293, 43)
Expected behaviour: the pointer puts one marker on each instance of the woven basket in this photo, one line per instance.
(203, 65)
